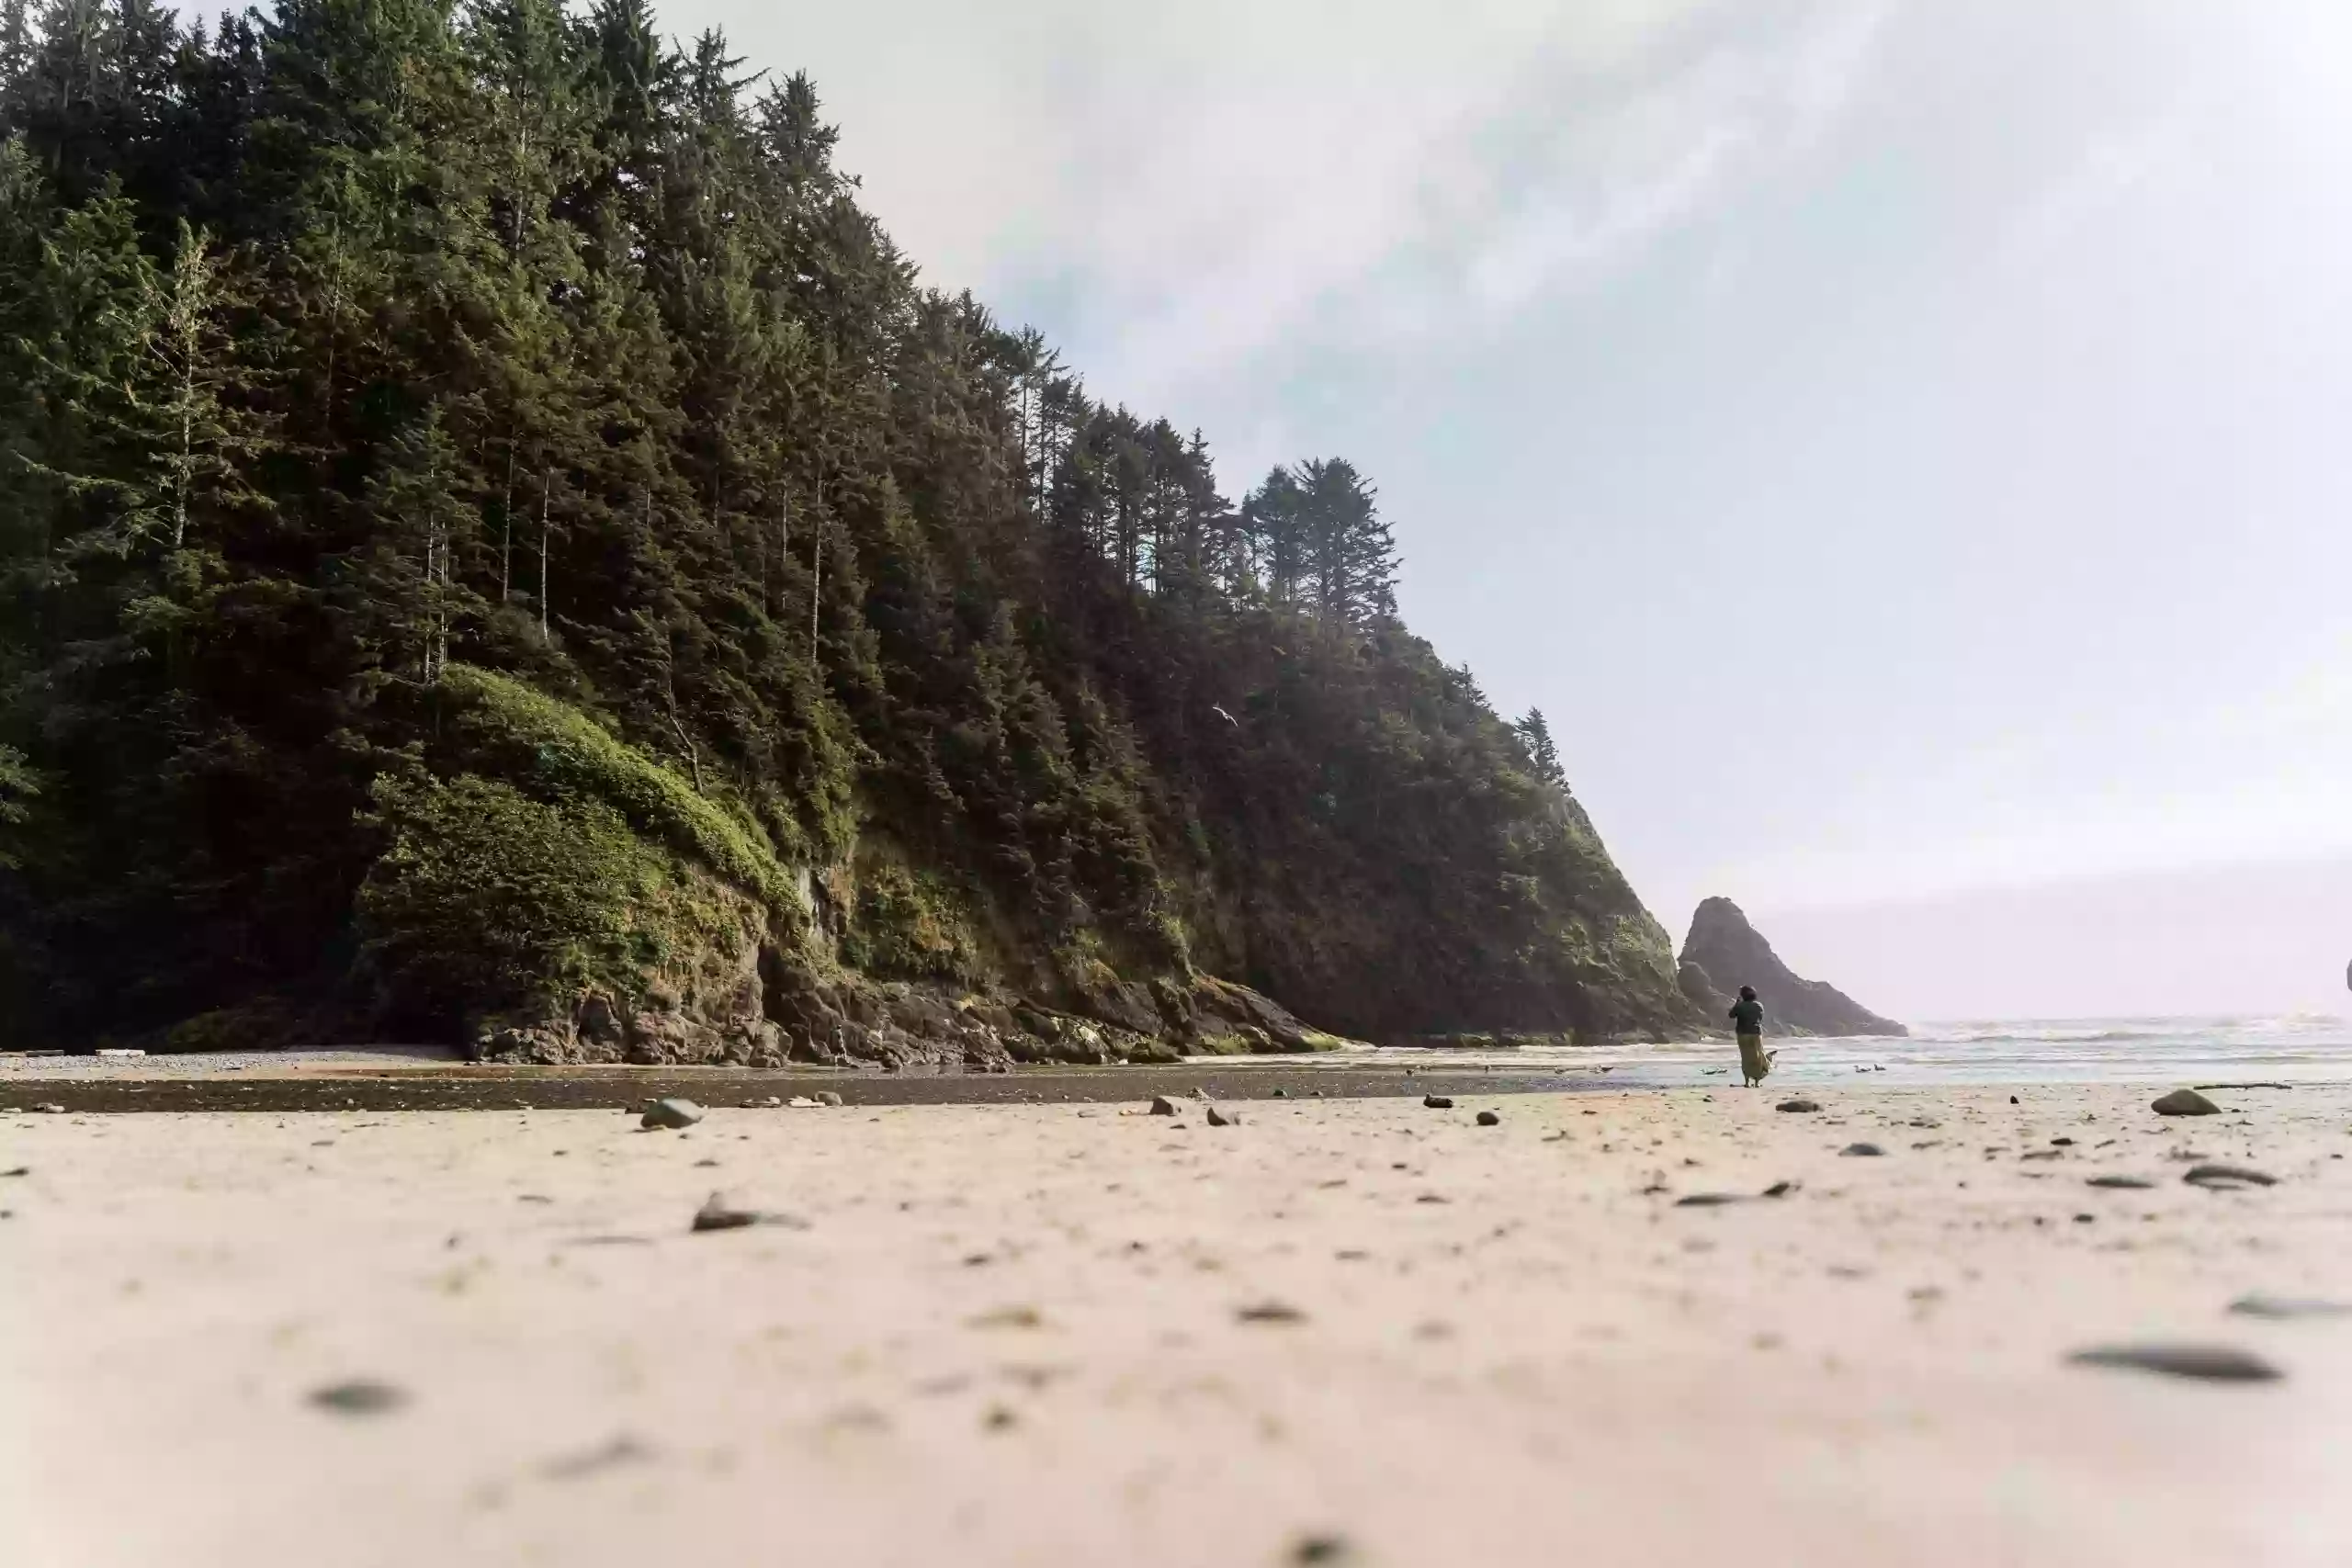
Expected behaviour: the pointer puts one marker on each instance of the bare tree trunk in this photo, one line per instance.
(187, 440)
(816, 589)
(506, 525)
(678, 728)
(543, 556)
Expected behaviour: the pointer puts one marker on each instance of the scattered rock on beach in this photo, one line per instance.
(1269, 1312)
(2209, 1363)
(1490, 1119)
(1162, 1106)
(2284, 1308)
(623, 1449)
(1861, 1151)
(1780, 1190)
(1010, 1317)
(49, 1109)
(1705, 1200)
(2129, 1183)
(1797, 1105)
(2227, 1177)
(1437, 1102)
(1327, 1549)
(827, 1097)
(360, 1396)
(717, 1214)
(672, 1113)
(2185, 1102)
(1219, 1119)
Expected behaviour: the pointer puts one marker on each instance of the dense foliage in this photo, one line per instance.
(473, 482)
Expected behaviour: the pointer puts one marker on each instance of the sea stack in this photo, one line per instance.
(1724, 953)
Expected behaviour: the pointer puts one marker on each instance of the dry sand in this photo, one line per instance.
(1356, 1331)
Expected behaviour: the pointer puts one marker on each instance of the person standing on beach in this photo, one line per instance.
(1747, 1020)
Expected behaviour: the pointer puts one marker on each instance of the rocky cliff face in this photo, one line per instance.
(1724, 953)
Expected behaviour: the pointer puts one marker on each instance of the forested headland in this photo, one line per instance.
(500, 548)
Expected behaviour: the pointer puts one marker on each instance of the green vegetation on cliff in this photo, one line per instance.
(490, 528)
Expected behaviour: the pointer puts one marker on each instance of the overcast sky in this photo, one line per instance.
(1904, 447)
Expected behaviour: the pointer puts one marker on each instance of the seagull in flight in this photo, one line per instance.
(1225, 716)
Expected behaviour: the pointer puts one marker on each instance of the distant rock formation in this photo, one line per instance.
(1724, 953)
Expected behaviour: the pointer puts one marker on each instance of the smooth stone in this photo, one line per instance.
(1270, 1311)
(2132, 1183)
(2285, 1308)
(2226, 1178)
(827, 1097)
(1780, 1190)
(51, 1110)
(717, 1214)
(1437, 1102)
(1219, 1119)
(1706, 1199)
(361, 1396)
(2185, 1102)
(1797, 1105)
(1490, 1119)
(1162, 1106)
(1862, 1151)
(1328, 1550)
(670, 1113)
(2210, 1363)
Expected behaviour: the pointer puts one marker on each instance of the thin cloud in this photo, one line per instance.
(1380, 201)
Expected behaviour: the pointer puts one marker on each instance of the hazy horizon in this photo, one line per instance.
(2244, 942)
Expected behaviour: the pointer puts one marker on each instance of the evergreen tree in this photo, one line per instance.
(1543, 757)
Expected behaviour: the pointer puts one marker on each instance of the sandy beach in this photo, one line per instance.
(1340, 1331)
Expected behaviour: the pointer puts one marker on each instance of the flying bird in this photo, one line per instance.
(1225, 716)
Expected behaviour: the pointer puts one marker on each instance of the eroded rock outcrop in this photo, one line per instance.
(778, 1008)
(1724, 953)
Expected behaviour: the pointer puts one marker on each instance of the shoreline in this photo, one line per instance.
(629, 1087)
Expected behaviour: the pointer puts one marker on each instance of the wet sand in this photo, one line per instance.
(368, 1081)
(1344, 1330)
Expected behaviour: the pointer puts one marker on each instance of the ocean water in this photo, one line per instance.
(2298, 1049)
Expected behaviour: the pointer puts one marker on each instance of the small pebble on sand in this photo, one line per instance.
(2227, 1177)
(2208, 1363)
(2286, 1308)
(359, 1396)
